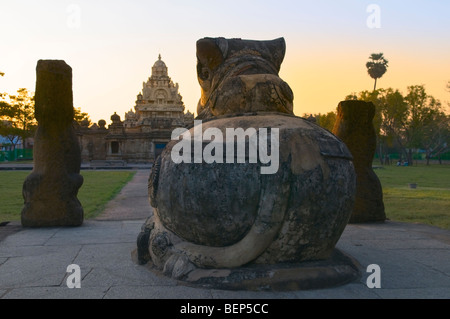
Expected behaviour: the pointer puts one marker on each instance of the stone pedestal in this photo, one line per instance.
(50, 191)
(354, 125)
(339, 269)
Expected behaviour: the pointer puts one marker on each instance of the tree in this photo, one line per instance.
(10, 132)
(424, 111)
(436, 135)
(411, 122)
(80, 116)
(5, 108)
(324, 120)
(5, 126)
(3, 104)
(18, 117)
(376, 67)
(393, 117)
(351, 96)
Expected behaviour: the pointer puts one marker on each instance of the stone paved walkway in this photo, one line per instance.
(132, 201)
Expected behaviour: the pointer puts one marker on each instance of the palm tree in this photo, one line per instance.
(376, 67)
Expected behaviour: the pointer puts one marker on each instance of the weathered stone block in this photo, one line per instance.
(354, 125)
(50, 191)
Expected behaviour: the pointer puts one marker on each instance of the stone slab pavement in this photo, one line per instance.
(414, 260)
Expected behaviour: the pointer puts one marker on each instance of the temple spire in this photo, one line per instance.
(159, 56)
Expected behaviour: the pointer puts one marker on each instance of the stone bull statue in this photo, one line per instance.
(226, 214)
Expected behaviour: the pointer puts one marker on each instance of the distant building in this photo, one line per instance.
(144, 133)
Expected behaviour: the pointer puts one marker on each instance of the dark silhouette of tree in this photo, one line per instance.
(376, 67)
(324, 120)
(412, 122)
(436, 136)
(79, 116)
(5, 108)
(11, 132)
(3, 104)
(18, 122)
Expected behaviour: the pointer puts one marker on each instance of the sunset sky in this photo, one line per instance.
(112, 45)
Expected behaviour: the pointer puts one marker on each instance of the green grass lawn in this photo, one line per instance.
(98, 188)
(429, 203)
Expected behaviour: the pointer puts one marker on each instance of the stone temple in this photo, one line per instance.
(144, 132)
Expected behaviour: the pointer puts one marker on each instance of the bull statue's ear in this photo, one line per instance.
(209, 53)
(276, 49)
